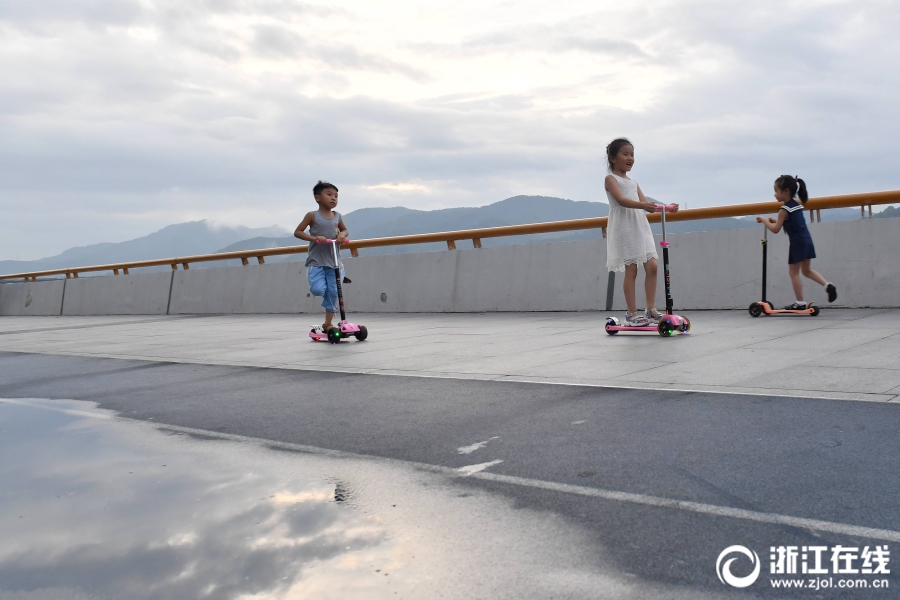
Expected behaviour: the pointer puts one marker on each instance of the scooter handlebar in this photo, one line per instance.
(330, 241)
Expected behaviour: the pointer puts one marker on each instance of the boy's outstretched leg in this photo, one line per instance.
(319, 286)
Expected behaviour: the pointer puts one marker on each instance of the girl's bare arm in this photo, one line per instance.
(612, 186)
(644, 199)
(774, 225)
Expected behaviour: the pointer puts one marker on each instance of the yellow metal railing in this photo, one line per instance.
(815, 206)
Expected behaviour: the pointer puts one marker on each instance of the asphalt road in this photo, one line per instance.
(832, 461)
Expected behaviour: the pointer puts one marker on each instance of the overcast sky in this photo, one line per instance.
(118, 117)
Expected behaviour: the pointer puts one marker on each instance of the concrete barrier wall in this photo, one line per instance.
(710, 270)
(274, 288)
(134, 294)
(40, 298)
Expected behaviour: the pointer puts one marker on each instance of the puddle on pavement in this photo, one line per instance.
(92, 506)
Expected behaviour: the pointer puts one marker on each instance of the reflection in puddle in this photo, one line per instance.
(93, 506)
(105, 510)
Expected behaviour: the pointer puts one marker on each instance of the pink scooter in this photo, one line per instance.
(344, 329)
(669, 323)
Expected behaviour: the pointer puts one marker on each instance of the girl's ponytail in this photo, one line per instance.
(802, 194)
(794, 185)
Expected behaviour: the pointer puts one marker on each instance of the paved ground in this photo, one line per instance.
(659, 481)
(842, 354)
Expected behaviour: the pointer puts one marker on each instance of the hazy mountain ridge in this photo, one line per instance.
(194, 237)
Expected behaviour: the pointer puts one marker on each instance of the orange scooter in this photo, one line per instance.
(764, 307)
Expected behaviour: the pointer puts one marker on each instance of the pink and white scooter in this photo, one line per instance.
(670, 322)
(344, 329)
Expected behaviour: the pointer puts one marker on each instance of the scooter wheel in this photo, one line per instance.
(611, 322)
(665, 327)
(687, 325)
(815, 311)
(362, 334)
(755, 309)
(334, 335)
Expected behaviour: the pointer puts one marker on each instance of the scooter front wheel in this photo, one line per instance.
(815, 311)
(665, 327)
(611, 322)
(755, 309)
(362, 334)
(686, 327)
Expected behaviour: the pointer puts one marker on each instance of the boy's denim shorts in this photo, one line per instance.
(322, 283)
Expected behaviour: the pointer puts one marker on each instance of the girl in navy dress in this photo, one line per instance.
(788, 190)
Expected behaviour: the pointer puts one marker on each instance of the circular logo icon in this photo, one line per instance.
(723, 569)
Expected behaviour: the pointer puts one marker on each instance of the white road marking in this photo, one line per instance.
(656, 501)
(578, 422)
(475, 446)
(470, 470)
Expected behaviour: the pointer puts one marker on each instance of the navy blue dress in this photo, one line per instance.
(795, 226)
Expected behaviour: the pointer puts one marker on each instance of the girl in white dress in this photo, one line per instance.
(630, 240)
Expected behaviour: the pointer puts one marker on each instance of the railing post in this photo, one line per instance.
(260, 260)
(185, 265)
(125, 271)
(451, 245)
(244, 261)
(115, 271)
(354, 251)
(476, 242)
(174, 266)
(75, 274)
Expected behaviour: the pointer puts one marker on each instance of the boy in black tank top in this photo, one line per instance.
(323, 224)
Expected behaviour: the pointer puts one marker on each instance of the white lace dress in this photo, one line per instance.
(629, 240)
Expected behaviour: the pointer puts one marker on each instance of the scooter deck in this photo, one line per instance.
(669, 324)
(765, 308)
(347, 329)
(652, 328)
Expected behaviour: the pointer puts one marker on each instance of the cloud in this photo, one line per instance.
(273, 41)
(119, 120)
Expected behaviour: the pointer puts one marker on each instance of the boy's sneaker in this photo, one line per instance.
(347, 280)
(653, 316)
(796, 306)
(636, 320)
(832, 292)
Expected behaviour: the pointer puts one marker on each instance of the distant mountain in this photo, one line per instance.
(383, 222)
(195, 237)
(890, 211)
